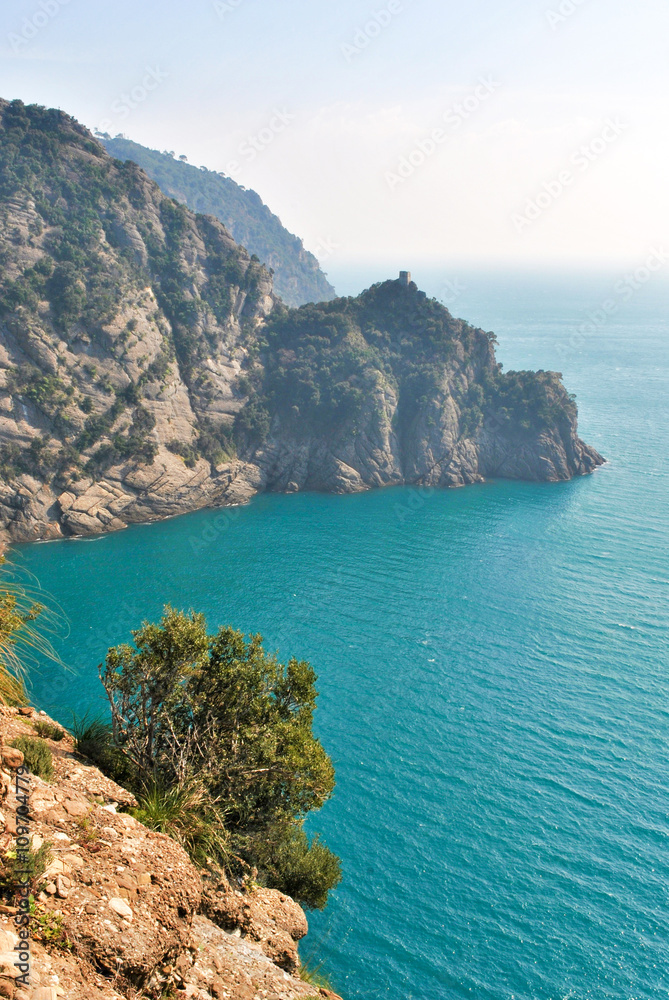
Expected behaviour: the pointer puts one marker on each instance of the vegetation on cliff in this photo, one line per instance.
(115, 910)
(93, 234)
(297, 275)
(322, 363)
(215, 737)
(25, 625)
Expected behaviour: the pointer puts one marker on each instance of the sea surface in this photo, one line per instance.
(493, 673)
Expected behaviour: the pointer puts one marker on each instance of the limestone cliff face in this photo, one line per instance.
(147, 369)
(436, 454)
(124, 324)
(119, 911)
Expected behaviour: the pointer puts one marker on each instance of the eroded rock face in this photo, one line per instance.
(265, 916)
(139, 915)
(130, 903)
(126, 895)
(228, 965)
(433, 450)
(102, 365)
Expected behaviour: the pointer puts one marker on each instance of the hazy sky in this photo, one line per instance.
(406, 130)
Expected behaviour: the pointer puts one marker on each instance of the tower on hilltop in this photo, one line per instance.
(405, 277)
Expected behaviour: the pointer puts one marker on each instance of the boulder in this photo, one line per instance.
(12, 758)
(272, 919)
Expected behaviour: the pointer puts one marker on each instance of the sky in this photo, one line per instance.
(531, 132)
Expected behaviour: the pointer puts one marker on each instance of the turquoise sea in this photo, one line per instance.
(493, 667)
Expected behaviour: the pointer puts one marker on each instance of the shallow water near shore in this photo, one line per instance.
(493, 673)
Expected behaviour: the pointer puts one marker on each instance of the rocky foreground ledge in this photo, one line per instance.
(120, 913)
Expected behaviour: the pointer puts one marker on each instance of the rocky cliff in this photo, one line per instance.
(388, 388)
(115, 911)
(147, 369)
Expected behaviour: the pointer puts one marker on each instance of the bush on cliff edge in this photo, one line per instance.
(217, 712)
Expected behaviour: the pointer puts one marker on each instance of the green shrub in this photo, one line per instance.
(91, 737)
(313, 974)
(187, 816)
(18, 866)
(49, 732)
(93, 740)
(314, 977)
(287, 860)
(87, 832)
(188, 452)
(22, 639)
(48, 927)
(37, 756)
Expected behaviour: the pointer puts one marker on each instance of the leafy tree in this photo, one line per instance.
(289, 861)
(220, 712)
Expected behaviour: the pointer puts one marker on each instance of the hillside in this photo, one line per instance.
(123, 322)
(388, 388)
(119, 911)
(147, 369)
(297, 275)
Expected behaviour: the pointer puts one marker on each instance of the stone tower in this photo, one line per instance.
(405, 277)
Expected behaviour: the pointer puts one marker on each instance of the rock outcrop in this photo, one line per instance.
(120, 912)
(434, 407)
(147, 368)
(269, 918)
